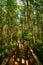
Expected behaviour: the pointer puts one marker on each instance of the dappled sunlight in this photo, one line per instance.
(23, 61)
(21, 32)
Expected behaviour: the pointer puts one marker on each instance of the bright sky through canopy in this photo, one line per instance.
(19, 2)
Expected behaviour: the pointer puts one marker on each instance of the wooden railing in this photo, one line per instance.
(13, 57)
(30, 61)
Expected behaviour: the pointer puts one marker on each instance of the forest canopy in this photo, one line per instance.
(20, 19)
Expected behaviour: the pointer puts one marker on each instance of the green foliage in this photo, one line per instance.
(38, 41)
(38, 49)
(27, 35)
(24, 21)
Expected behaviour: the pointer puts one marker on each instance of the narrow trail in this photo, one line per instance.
(22, 57)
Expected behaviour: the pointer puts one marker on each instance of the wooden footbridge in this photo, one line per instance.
(22, 57)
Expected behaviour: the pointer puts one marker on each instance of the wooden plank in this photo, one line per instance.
(23, 61)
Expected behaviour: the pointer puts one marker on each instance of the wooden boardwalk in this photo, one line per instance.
(21, 57)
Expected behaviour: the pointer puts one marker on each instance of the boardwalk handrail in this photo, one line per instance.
(35, 57)
(11, 57)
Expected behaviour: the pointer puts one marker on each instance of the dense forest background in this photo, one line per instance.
(21, 20)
